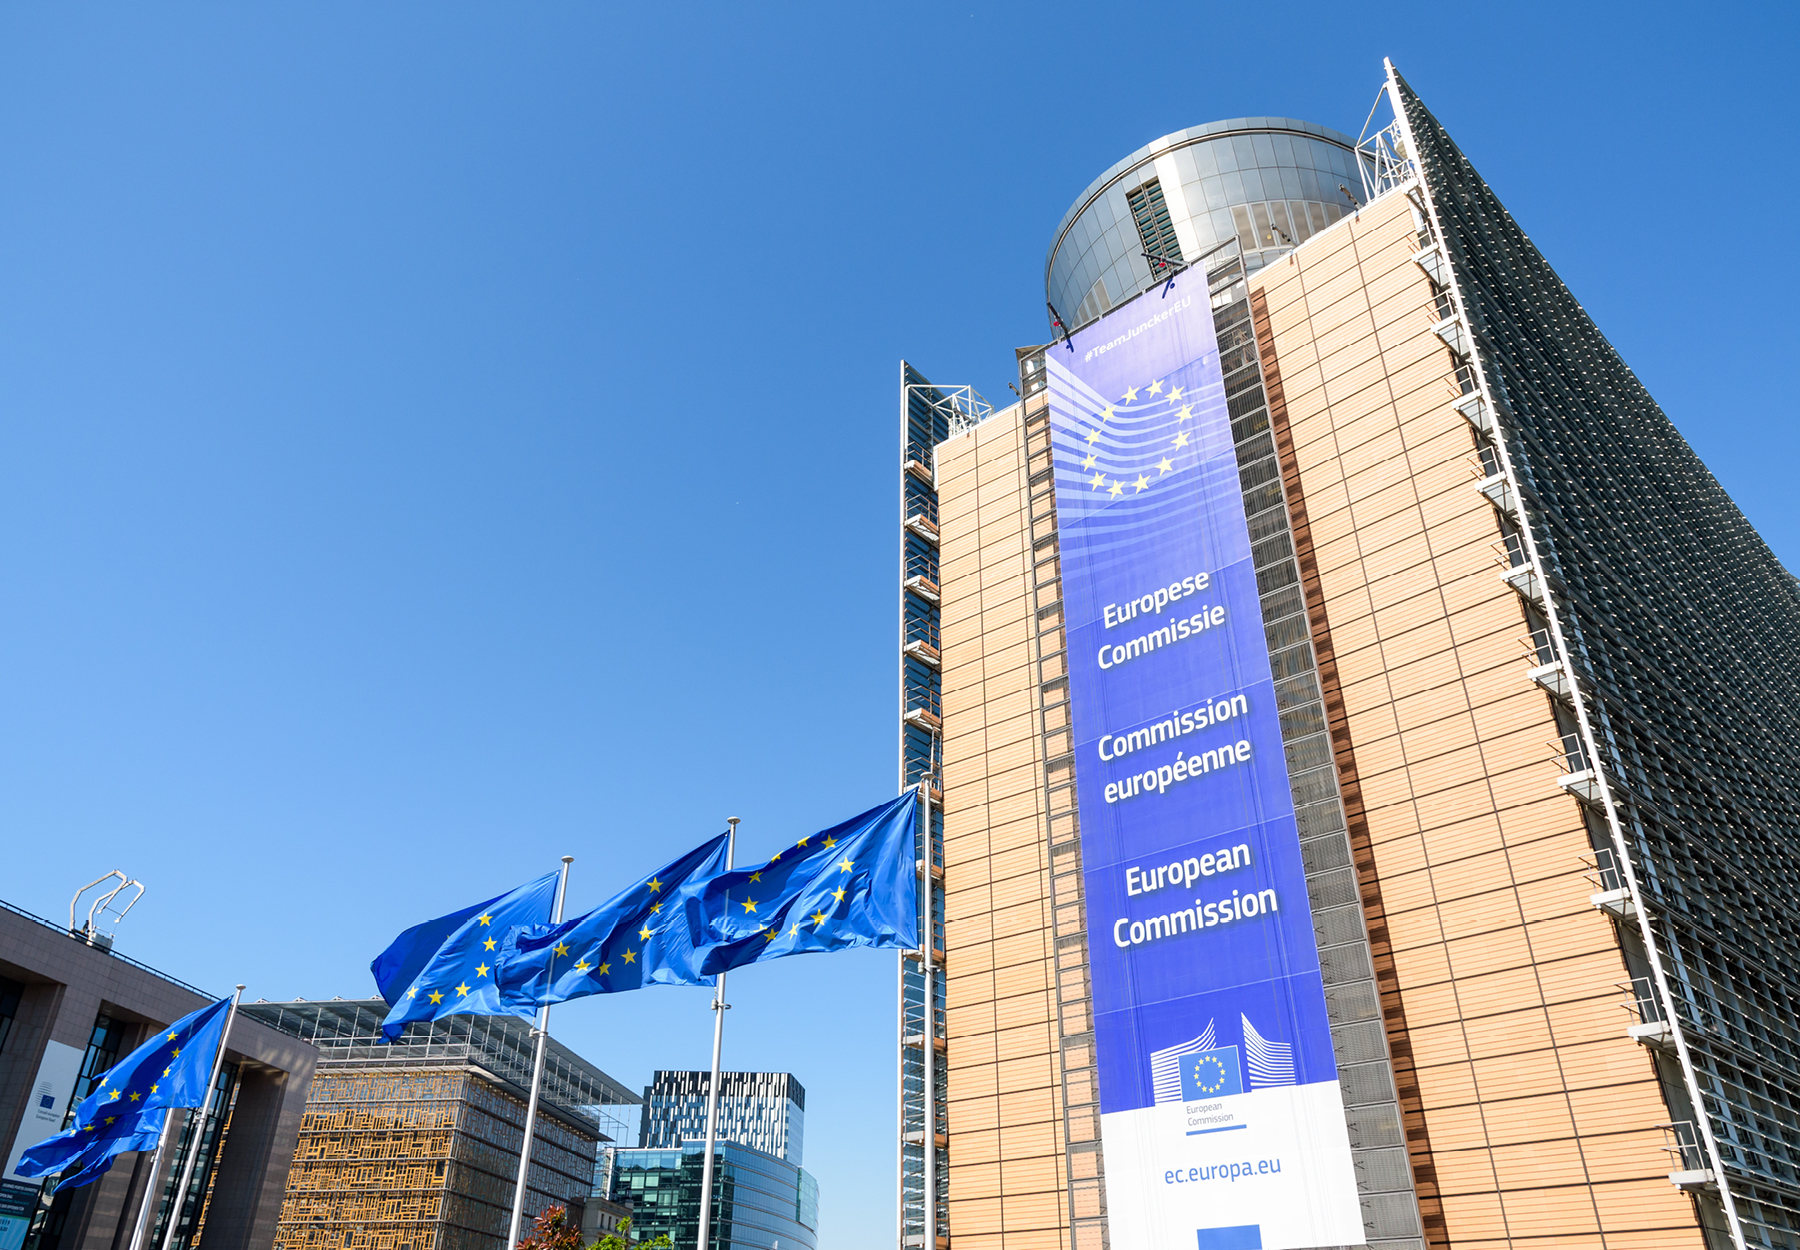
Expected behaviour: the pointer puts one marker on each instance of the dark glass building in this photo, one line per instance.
(760, 1202)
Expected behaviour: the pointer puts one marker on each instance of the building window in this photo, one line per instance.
(1155, 229)
(10, 993)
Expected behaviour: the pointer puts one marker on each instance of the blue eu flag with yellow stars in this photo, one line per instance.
(171, 1069)
(1211, 1074)
(83, 1156)
(620, 945)
(854, 884)
(458, 977)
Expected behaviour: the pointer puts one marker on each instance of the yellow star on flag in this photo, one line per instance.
(656, 909)
(846, 864)
(1164, 464)
(436, 997)
(1142, 482)
(481, 970)
(413, 993)
(818, 919)
(462, 991)
(1093, 434)
(795, 929)
(134, 1096)
(1180, 440)
(1174, 393)
(749, 905)
(602, 970)
(1098, 481)
(1106, 413)
(838, 894)
(655, 885)
(1114, 489)
(1089, 462)
(802, 841)
(1187, 410)
(115, 1095)
(771, 934)
(1130, 395)
(1156, 387)
(756, 876)
(488, 944)
(645, 933)
(171, 1037)
(630, 957)
(488, 919)
(154, 1088)
(582, 965)
(562, 948)
(830, 842)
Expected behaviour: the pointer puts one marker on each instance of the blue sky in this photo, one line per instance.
(439, 438)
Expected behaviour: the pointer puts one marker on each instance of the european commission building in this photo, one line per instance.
(1361, 740)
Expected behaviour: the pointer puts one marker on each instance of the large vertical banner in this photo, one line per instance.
(1221, 1115)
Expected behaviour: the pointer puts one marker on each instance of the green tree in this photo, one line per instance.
(620, 1239)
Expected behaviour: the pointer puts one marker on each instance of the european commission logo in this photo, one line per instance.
(1201, 1068)
(1211, 1074)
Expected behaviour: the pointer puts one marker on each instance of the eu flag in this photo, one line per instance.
(171, 1069)
(83, 1155)
(855, 884)
(620, 945)
(458, 977)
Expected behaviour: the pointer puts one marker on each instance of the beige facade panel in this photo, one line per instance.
(1006, 1182)
(1532, 1119)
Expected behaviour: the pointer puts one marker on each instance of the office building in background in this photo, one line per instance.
(71, 1007)
(1529, 688)
(763, 1110)
(759, 1200)
(415, 1145)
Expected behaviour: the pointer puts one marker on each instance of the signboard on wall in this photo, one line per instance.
(1221, 1115)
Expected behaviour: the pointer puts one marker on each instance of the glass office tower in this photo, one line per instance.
(1533, 670)
(760, 1202)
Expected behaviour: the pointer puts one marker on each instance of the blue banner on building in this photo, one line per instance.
(1220, 1109)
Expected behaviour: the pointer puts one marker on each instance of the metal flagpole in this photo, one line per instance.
(149, 1203)
(179, 1202)
(720, 1007)
(537, 1081)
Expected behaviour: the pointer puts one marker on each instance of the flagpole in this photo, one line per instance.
(179, 1202)
(537, 1081)
(720, 1007)
(149, 1202)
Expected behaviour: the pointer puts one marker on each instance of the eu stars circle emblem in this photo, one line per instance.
(1209, 1074)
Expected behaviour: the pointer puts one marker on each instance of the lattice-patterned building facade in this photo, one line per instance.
(415, 1146)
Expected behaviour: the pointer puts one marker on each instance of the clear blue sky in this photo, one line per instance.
(438, 438)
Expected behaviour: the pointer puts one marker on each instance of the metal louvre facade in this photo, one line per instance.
(1677, 629)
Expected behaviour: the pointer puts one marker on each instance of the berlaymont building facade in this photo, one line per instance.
(1536, 682)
